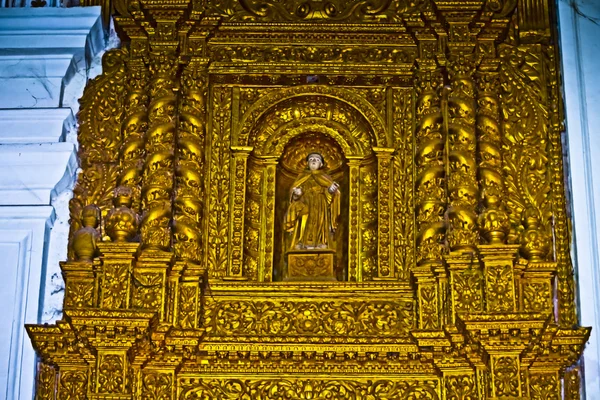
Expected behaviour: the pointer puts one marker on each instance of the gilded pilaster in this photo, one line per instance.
(403, 214)
(385, 267)
(267, 220)
(354, 264)
(218, 156)
(238, 201)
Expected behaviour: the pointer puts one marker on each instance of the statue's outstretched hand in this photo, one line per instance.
(297, 192)
(334, 187)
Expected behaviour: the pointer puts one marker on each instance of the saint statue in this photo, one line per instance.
(314, 207)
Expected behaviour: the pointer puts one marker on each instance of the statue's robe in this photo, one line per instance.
(312, 217)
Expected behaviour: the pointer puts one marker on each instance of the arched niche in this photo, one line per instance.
(259, 172)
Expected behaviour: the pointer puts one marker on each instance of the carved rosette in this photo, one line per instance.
(462, 165)
(429, 161)
(158, 174)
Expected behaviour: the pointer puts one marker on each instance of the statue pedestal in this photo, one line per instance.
(310, 265)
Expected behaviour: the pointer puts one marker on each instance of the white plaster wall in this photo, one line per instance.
(579, 23)
(46, 57)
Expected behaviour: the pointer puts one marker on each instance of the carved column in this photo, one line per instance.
(238, 201)
(133, 129)
(189, 159)
(354, 265)
(267, 220)
(493, 220)
(157, 190)
(429, 186)
(385, 253)
(462, 166)
(430, 194)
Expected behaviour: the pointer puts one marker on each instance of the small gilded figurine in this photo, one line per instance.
(122, 221)
(85, 239)
(312, 215)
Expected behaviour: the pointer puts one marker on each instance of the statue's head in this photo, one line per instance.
(315, 161)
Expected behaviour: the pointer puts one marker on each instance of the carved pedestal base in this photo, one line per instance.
(310, 265)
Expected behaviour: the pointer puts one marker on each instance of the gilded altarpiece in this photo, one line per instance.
(441, 124)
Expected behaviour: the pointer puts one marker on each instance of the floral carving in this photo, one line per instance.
(110, 374)
(468, 290)
(500, 287)
(46, 382)
(428, 307)
(303, 389)
(157, 386)
(146, 290)
(72, 385)
(218, 195)
(115, 284)
(310, 10)
(544, 387)
(323, 318)
(461, 387)
(536, 296)
(506, 376)
(79, 293)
